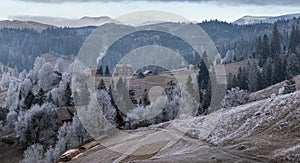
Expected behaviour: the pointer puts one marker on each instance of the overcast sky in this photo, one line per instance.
(194, 10)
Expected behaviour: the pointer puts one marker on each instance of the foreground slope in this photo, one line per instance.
(265, 130)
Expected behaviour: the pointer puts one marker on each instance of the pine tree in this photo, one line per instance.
(253, 78)
(293, 65)
(265, 50)
(68, 96)
(100, 70)
(50, 98)
(290, 86)
(40, 97)
(190, 86)
(132, 96)
(242, 78)
(275, 43)
(259, 47)
(293, 40)
(278, 71)
(266, 75)
(107, 72)
(29, 100)
(203, 75)
(234, 81)
(76, 98)
(85, 95)
(145, 99)
(111, 94)
(101, 85)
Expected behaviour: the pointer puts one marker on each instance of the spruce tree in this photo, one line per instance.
(40, 97)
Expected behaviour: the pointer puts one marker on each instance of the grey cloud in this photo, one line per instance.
(224, 2)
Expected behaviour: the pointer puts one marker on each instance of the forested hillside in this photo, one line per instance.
(19, 47)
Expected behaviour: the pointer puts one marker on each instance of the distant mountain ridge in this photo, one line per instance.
(16, 24)
(66, 22)
(264, 19)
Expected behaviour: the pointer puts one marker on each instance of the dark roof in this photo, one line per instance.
(65, 113)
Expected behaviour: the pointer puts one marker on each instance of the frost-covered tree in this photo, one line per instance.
(33, 74)
(235, 97)
(84, 95)
(34, 153)
(290, 86)
(145, 98)
(77, 132)
(38, 63)
(51, 156)
(5, 80)
(69, 136)
(172, 107)
(147, 115)
(46, 76)
(59, 65)
(58, 94)
(22, 75)
(100, 115)
(218, 59)
(25, 87)
(37, 125)
(229, 57)
(11, 102)
(10, 120)
(190, 86)
(53, 153)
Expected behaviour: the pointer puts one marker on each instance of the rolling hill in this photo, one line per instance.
(261, 131)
